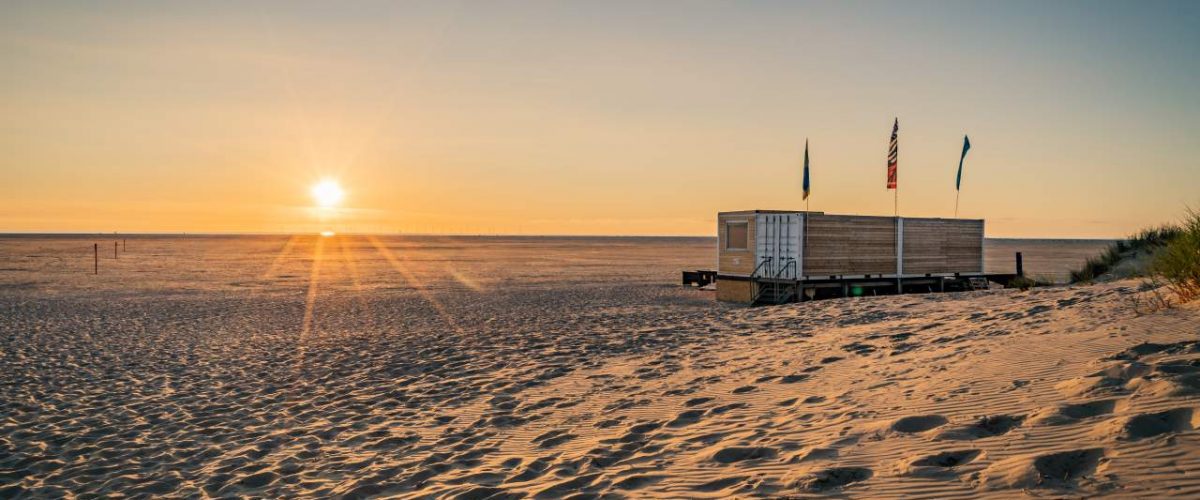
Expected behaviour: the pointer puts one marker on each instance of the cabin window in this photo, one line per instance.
(736, 235)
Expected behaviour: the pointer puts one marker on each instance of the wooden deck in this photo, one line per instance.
(761, 291)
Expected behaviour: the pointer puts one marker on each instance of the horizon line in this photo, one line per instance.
(4, 234)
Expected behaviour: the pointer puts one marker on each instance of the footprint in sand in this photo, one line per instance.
(940, 465)
(1178, 367)
(644, 427)
(1038, 309)
(489, 492)
(697, 401)
(1149, 425)
(919, 423)
(258, 480)
(1183, 386)
(534, 470)
(1071, 413)
(1147, 348)
(989, 426)
(815, 454)
(505, 421)
(947, 459)
(553, 438)
(638, 481)
(625, 404)
(741, 453)
(709, 438)
(745, 388)
(685, 418)
(731, 406)
(1053, 470)
(720, 484)
(564, 488)
(859, 348)
(832, 478)
(612, 422)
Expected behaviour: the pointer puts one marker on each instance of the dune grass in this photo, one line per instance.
(1171, 254)
(1178, 261)
(1143, 244)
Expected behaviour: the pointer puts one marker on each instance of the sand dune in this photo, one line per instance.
(371, 371)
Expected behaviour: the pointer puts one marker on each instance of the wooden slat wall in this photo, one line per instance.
(850, 245)
(858, 245)
(739, 262)
(943, 246)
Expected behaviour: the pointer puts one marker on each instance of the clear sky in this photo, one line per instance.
(593, 117)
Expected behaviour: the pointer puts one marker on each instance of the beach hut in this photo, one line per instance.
(775, 256)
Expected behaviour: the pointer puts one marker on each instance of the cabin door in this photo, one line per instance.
(777, 245)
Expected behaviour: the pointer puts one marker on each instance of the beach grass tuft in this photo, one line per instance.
(1138, 248)
(1168, 253)
(1178, 261)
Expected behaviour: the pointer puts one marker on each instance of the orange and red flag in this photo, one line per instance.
(893, 150)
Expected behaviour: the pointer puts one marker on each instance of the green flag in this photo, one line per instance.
(958, 180)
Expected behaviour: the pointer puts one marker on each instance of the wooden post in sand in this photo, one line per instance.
(114, 249)
(1020, 268)
(122, 244)
(96, 257)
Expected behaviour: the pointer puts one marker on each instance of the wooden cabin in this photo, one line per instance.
(779, 256)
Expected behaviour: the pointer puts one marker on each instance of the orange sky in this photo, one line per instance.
(592, 118)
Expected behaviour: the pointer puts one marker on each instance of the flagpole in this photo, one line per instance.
(894, 179)
(957, 192)
(899, 240)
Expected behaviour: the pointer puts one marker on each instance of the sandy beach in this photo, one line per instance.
(599, 250)
(443, 367)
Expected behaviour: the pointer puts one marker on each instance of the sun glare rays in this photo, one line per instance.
(464, 280)
(402, 268)
(286, 249)
(351, 263)
(310, 299)
(347, 268)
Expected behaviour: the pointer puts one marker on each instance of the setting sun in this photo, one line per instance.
(327, 193)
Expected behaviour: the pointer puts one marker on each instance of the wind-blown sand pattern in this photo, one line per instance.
(524, 367)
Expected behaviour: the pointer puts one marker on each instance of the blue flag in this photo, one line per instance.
(806, 182)
(958, 180)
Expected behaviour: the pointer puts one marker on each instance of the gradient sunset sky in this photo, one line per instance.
(593, 117)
